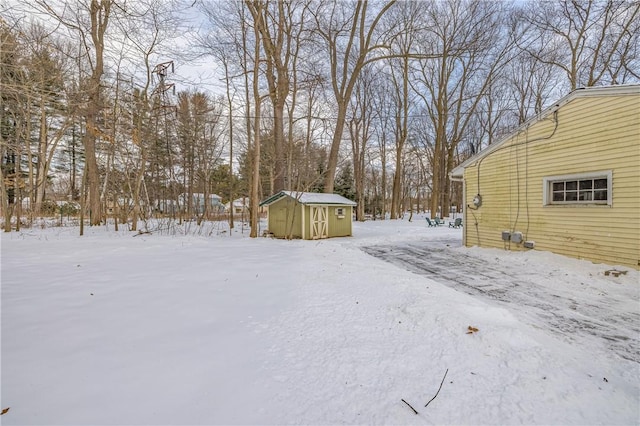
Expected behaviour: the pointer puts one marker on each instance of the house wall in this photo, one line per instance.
(594, 134)
(285, 215)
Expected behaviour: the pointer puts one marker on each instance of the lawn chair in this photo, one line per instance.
(456, 223)
(431, 223)
(439, 221)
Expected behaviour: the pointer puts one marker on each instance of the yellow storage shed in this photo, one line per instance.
(309, 215)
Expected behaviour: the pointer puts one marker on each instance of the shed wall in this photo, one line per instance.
(336, 227)
(594, 134)
(285, 215)
(340, 227)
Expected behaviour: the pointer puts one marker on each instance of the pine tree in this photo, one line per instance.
(344, 183)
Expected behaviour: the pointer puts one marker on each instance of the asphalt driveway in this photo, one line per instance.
(595, 311)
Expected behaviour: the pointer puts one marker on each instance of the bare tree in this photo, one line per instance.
(360, 132)
(35, 111)
(591, 42)
(384, 104)
(279, 25)
(89, 22)
(257, 101)
(224, 41)
(11, 80)
(350, 40)
(474, 48)
(408, 16)
(233, 42)
(45, 67)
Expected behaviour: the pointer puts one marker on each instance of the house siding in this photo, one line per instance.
(594, 134)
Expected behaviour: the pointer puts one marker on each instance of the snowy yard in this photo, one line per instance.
(186, 329)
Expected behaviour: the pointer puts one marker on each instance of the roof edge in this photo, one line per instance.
(582, 92)
(297, 195)
(270, 200)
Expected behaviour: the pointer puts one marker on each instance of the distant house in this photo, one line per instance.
(214, 203)
(238, 206)
(567, 181)
(165, 206)
(309, 215)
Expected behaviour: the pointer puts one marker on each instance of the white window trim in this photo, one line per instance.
(546, 188)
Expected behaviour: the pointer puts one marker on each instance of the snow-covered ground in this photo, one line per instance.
(208, 328)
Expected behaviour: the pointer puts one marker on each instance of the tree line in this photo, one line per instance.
(377, 100)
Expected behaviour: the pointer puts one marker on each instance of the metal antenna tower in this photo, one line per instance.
(163, 105)
(163, 89)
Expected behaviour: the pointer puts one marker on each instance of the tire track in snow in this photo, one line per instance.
(569, 315)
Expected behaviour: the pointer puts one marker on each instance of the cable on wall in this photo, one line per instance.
(515, 223)
(526, 141)
(479, 164)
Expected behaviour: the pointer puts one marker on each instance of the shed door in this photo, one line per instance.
(319, 222)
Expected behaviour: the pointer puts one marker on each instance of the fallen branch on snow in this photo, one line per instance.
(414, 410)
(434, 396)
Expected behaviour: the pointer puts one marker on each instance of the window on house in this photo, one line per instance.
(585, 188)
(340, 212)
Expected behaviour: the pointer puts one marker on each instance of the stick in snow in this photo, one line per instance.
(414, 410)
(434, 396)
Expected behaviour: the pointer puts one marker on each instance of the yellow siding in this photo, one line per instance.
(285, 217)
(594, 134)
(307, 222)
(340, 227)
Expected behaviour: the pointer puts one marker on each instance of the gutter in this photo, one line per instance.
(456, 178)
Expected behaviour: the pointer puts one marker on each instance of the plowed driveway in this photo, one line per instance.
(583, 311)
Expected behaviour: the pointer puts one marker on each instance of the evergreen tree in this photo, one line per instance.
(220, 184)
(344, 183)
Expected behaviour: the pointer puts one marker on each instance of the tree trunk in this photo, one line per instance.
(4, 196)
(255, 175)
(91, 170)
(41, 174)
(99, 12)
(332, 163)
(135, 215)
(396, 191)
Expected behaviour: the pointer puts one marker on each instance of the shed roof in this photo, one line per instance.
(310, 198)
(583, 92)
